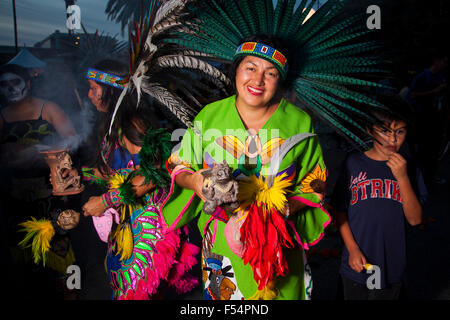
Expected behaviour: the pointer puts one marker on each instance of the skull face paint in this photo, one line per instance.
(13, 87)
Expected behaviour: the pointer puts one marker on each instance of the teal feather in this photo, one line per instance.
(332, 62)
(263, 24)
(297, 25)
(319, 19)
(343, 80)
(319, 96)
(337, 70)
(246, 8)
(216, 28)
(327, 96)
(330, 119)
(278, 16)
(226, 19)
(345, 51)
(322, 64)
(297, 18)
(222, 37)
(338, 40)
(238, 18)
(287, 14)
(331, 31)
(344, 93)
(269, 14)
(322, 100)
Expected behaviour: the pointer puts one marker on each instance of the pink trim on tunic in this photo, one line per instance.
(172, 184)
(309, 203)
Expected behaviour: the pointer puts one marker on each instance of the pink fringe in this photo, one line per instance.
(170, 263)
(179, 277)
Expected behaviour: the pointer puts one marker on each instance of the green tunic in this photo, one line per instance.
(221, 135)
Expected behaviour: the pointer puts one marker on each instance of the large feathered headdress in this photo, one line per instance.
(330, 52)
(164, 73)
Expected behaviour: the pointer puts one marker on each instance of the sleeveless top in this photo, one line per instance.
(28, 132)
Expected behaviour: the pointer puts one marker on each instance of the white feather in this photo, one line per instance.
(119, 101)
(167, 8)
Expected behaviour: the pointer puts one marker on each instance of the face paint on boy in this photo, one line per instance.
(13, 87)
(389, 137)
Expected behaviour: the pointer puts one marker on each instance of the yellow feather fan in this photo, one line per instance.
(268, 293)
(124, 236)
(116, 181)
(256, 189)
(42, 232)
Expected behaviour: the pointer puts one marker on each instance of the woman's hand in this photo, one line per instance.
(356, 260)
(398, 166)
(94, 207)
(196, 182)
(192, 181)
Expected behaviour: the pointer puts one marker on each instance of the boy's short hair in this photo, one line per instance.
(397, 109)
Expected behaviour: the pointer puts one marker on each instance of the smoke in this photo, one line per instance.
(84, 123)
(69, 91)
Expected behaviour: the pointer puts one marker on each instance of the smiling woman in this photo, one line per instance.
(258, 81)
(269, 143)
(252, 246)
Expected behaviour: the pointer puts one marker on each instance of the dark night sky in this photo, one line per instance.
(37, 19)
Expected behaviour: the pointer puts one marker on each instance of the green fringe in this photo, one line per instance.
(156, 147)
(103, 184)
(127, 192)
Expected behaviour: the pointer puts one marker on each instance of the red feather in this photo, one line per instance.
(264, 235)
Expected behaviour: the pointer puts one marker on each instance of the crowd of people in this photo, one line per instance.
(143, 199)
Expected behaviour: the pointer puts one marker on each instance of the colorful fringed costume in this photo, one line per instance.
(141, 254)
(252, 253)
(300, 176)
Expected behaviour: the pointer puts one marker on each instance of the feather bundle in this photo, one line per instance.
(123, 235)
(332, 52)
(40, 233)
(156, 67)
(264, 231)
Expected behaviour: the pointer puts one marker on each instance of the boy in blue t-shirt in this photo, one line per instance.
(374, 196)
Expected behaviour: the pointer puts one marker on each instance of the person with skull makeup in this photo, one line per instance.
(26, 120)
(25, 123)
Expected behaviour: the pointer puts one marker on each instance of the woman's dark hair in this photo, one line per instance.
(16, 69)
(110, 95)
(268, 40)
(133, 121)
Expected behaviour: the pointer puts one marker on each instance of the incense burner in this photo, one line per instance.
(65, 180)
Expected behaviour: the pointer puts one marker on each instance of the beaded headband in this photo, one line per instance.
(106, 78)
(266, 52)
